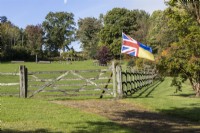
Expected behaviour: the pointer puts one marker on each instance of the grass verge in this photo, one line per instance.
(31, 115)
(161, 98)
(54, 66)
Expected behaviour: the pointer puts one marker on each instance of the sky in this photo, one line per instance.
(32, 12)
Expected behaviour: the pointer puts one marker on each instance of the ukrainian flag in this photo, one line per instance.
(145, 52)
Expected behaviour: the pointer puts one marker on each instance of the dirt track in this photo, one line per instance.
(134, 117)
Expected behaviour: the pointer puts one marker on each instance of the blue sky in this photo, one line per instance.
(27, 12)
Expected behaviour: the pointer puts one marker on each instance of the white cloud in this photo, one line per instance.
(65, 2)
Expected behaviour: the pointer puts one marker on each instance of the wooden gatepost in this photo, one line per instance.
(23, 77)
(117, 82)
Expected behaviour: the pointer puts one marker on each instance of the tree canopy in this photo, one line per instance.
(116, 21)
(182, 57)
(59, 30)
(87, 33)
(191, 6)
(34, 41)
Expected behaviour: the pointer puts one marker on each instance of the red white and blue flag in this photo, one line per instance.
(129, 45)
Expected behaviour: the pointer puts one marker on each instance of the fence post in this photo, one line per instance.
(23, 76)
(114, 78)
(119, 82)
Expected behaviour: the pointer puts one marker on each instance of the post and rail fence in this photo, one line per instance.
(115, 81)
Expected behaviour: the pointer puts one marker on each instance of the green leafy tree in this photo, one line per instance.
(182, 58)
(10, 37)
(191, 6)
(59, 29)
(3, 19)
(116, 21)
(34, 41)
(5, 38)
(87, 33)
(142, 20)
(160, 35)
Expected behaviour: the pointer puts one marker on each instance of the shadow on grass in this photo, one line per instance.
(28, 131)
(186, 95)
(102, 127)
(149, 122)
(190, 113)
(139, 121)
(149, 88)
(154, 87)
(86, 127)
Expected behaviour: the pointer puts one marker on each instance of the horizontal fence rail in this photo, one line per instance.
(9, 84)
(11, 74)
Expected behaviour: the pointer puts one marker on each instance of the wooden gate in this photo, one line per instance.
(70, 83)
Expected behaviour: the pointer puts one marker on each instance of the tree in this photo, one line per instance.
(104, 55)
(160, 35)
(182, 58)
(191, 6)
(3, 19)
(116, 21)
(59, 29)
(34, 39)
(5, 41)
(142, 20)
(87, 33)
(9, 39)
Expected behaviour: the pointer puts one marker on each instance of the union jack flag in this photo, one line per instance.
(129, 45)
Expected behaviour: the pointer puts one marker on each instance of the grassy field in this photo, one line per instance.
(40, 115)
(162, 98)
(33, 116)
(75, 65)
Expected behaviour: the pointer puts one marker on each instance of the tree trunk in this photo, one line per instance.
(195, 87)
(36, 58)
(198, 90)
(198, 21)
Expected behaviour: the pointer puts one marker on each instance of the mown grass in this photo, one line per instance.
(162, 98)
(54, 66)
(158, 98)
(31, 115)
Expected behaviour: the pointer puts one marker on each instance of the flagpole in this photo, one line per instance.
(120, 59)
(121, 50)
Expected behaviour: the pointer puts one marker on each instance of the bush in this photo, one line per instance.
(131, 63)
(104, 55)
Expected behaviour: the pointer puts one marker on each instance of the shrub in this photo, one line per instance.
(104, 55)
(131, 63)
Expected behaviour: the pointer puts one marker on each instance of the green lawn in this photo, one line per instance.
(39, 115)
(31, 115)
(161, 98)
(54, 66)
